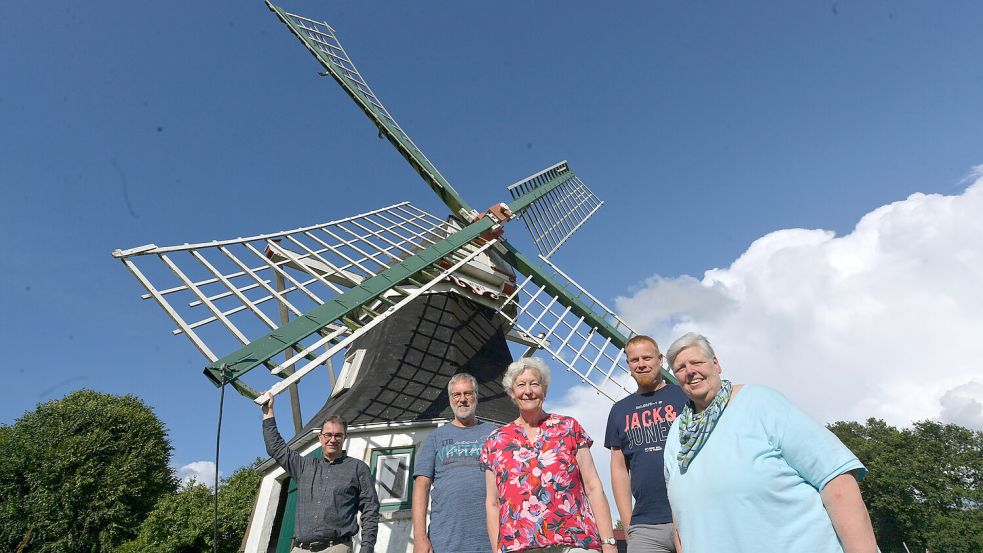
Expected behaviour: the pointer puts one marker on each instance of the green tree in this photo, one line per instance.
(80, 473)
(923, 489)
(183, 522)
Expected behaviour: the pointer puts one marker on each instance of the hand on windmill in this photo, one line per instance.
(267, 405)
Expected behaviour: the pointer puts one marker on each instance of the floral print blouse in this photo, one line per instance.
(540, 492)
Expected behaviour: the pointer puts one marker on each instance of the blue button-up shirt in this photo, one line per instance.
(329, 494)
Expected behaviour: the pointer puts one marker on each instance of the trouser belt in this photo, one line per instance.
(323, 544)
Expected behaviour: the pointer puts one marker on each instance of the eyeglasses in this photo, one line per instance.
(328, 435)
(459, 395)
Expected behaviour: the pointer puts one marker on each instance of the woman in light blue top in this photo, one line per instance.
(746, 471)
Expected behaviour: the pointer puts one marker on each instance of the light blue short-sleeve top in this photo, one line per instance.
(754, 487)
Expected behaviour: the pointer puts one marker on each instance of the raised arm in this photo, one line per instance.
(841, 497)
(491, 508)
(621, 484)
(421, 501)
(595, 495)
(287, 458)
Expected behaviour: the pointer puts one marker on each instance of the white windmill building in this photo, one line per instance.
(390, 303)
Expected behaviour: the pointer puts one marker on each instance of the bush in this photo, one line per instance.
(924, 487)
(80, 474)
(182, 522)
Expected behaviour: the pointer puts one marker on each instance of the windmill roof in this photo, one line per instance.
(411, 356)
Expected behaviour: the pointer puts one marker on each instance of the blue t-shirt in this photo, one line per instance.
(449, 457)
(638, 425)
(754, 487)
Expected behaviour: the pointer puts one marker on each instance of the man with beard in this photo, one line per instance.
(448, 461)
(636, 435)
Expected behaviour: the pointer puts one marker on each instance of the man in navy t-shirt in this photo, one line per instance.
(636, 435)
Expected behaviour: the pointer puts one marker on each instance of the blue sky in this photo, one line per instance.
(704, 126)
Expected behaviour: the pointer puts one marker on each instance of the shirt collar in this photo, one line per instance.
(341, 457)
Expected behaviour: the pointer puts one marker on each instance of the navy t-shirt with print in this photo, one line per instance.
(638, 425)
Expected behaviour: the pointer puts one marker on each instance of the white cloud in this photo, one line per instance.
(883, 322)
(201, 471)
(963, 405)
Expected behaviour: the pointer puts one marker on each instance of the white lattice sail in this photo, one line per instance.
(225, 294)
(576, 341)
(558, 213)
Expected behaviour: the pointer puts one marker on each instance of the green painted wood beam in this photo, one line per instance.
(528, 198)
(552, 286)
(527, 267)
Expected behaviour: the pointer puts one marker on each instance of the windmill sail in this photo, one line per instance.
(553, 203)
(321, 40)
(555, 215)
(333, 281)
(558, 315)
(577, 329)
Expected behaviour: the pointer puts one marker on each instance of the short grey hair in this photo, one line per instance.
(531, 363)
(335, 419)
(463, 376)
(687, 340)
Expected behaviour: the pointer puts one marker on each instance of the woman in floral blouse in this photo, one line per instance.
(543, 493)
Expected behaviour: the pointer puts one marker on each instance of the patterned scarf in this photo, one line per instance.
(695, 428)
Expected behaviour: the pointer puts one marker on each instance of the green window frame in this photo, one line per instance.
(392, 470)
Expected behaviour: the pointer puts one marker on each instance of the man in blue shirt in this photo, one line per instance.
(331, 490)
(448, 461)
(636, 435)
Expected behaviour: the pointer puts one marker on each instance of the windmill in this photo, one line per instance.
(398, 297)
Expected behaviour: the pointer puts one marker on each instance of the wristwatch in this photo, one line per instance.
(609, 541)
